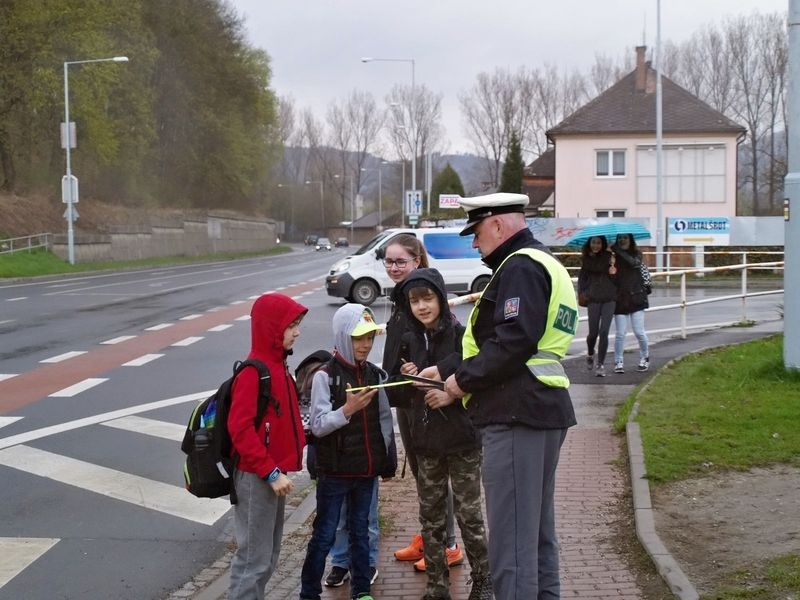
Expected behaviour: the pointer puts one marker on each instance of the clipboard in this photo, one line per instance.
(434, 383)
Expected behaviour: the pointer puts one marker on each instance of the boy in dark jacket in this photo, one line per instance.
(448, 447)
(267, 451)
(352, 431)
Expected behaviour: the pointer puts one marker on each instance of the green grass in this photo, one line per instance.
(727, 408)
(730, 408)
(42, 262)
(777, 579)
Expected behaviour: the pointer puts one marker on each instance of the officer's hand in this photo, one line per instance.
(451, 387)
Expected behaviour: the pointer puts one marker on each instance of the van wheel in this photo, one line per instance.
(364, 292)
(479, 283)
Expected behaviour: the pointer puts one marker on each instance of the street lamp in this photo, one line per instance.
(352, 204)
(380, 193)
(70, 188)
(291, 210)
(321, 201)
(366, 59)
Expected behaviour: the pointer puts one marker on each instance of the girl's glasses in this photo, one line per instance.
(400, 263)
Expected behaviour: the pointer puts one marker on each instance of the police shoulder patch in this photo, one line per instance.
(511, 308)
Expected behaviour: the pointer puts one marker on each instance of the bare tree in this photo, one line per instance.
(413, 122)
(490, 110)
(354, 127)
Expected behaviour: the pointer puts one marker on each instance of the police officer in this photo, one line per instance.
(515, 391)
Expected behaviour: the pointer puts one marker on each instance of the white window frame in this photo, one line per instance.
(610, 153)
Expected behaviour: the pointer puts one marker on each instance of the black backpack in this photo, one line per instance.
(304, 374)
(210, 463)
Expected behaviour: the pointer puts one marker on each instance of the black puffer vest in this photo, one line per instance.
(357, 449)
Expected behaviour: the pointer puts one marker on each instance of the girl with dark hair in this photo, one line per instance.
(597, 278)
(631, 301)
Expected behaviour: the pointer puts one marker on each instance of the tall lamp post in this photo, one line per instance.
(413, 132)
(321, 201)
(380, 193)
(291, 210)
(352, 204)
(69, 187)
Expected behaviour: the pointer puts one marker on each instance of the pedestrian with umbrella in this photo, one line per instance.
(597, 283)
(631, 301)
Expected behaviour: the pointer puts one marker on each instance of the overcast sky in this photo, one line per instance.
(316, 45)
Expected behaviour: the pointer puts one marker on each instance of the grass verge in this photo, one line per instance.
(728, 408)
(43, 262)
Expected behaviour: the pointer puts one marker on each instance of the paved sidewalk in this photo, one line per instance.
(591, 485)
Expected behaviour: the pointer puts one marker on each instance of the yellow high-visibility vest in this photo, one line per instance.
(562, 323)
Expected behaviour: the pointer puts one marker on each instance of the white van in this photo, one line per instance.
(361, 277)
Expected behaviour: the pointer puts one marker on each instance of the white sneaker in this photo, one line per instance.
(644, 364)
(618, 368)
(600, 371)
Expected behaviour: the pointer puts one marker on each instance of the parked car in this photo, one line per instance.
(311, 240)
(324, 243)
(361, 277)
(341, 242)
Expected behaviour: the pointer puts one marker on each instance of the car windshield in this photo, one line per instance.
(323, 241)
(373, 242)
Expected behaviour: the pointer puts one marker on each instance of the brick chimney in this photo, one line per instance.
(641, 69)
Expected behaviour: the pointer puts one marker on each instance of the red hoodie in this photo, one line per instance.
(270, 316)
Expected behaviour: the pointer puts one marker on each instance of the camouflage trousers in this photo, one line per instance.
(463, 471)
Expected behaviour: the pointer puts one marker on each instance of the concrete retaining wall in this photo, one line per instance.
(212, 235)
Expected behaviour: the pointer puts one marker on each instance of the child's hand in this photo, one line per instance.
(408, 368)
(431, 373)
(357, 400)
(438, 399)
(282, 485)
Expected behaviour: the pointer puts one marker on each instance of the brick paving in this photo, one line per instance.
(588, 487)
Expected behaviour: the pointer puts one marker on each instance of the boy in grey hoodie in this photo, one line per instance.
(352, 431)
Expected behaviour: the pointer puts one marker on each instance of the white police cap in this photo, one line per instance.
(480, 207)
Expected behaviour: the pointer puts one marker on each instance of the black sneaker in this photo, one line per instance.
(337, 577)
(373, 575)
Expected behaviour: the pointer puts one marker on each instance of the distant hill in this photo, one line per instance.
(470, 168)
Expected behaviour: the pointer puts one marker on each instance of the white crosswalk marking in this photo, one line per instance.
(79, 387)
(187, 341)
(142, 360)
(62, 357)
(118, 340)
(8, 420)
(161, 429)
(222, 327)
(158, 327)
(154, 495)
(7, 376)
(16, 554)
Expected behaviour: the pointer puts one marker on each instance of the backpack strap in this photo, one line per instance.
(264, 395)
(264, 387)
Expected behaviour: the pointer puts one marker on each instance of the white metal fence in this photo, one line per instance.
(25, 243)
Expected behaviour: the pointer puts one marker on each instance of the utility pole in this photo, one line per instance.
(791, 247)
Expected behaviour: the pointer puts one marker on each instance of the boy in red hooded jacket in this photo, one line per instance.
(267, 451)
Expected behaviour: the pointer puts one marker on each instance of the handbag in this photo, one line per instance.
(583, 299)
(647, 280)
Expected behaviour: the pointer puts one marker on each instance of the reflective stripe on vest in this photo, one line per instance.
(562, 319)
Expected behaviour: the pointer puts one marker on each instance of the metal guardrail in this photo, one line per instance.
(683, 304)
(25, 243)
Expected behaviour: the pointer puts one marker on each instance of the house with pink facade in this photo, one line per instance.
(605, 153)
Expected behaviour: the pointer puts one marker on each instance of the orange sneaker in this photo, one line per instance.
(411, 552)
(454, 558)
